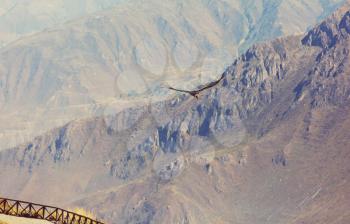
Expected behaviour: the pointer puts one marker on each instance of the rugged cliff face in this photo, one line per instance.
(268, 144)
(263, 87)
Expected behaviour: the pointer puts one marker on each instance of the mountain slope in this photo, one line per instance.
(269, 144)
(97, 64)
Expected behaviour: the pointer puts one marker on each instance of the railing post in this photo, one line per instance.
(17, 208)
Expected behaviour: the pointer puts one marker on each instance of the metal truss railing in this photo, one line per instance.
(37, 211)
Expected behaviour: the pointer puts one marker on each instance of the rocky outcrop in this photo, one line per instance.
(331, 31)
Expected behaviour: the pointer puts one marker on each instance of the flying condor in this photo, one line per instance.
(195, 93)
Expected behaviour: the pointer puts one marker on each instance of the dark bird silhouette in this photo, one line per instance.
(195, 93)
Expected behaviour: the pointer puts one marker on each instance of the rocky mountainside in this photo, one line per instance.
(126, 51)
(268, 144)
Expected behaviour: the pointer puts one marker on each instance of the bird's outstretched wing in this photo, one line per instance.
(211, 84)
(195, 93)
(192, 93)
(179, 90)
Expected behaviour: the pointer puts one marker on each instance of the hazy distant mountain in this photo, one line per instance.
(101, 62)
(269, 144)
(20, 18)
